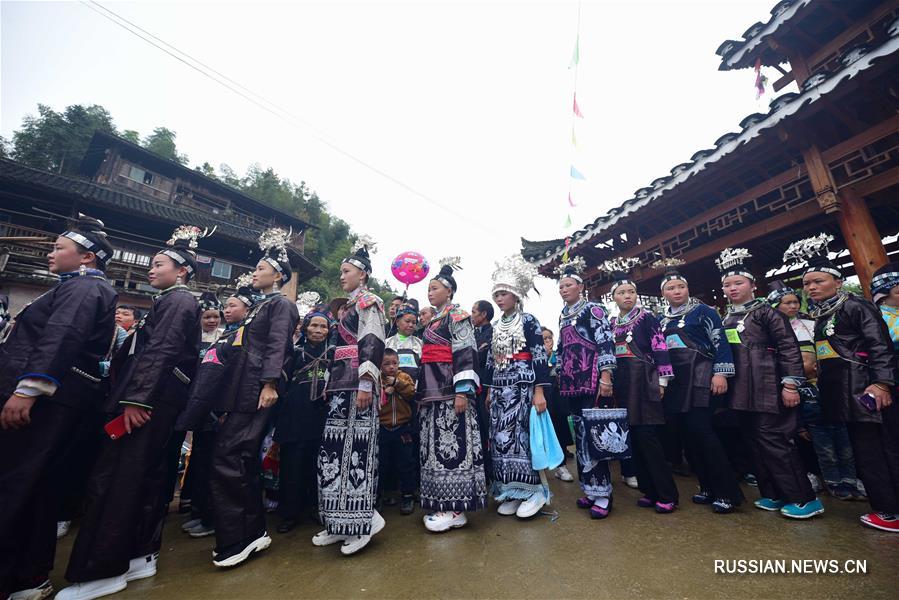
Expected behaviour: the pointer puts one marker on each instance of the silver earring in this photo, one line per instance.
(276, 287)
(82, 270)
(178, 280)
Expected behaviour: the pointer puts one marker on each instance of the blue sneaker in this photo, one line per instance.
(769, 504)
(806, 510)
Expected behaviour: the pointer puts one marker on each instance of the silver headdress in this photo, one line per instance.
(244, 281)
(800, 251)
(813, 252)
(306, 302)
(668, 263)
(366, 242)
(619, 265)
(274, 240)
(572, 268)
(515, 275)
(452, 261)
(732, 261)
(191, 234)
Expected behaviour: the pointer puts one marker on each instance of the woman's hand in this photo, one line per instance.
(790, 397)
(363, 400)
(539, 400)
(268, 395)
(662, 389)
(605, 384)
(135, 417)
(719, 385)
(16, 412)
(461, 403)
(882, 397)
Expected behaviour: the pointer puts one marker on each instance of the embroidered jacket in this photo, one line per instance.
(409, 350)
(451, 330)
(702, 325)
(358, 342)
(586, 347)
(646, 334)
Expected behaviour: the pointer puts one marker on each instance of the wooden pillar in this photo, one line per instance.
(862, 238)
(856, 224)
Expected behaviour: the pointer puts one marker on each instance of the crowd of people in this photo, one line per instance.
(431, 407)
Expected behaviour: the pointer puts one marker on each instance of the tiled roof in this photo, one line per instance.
(783, 107)
(14, 173)
(735, 54)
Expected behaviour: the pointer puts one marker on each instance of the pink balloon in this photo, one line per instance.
(410, 267)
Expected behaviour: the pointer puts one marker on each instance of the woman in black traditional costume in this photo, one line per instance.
(301, 417)
(348, 458)
(764, 390)
(452, 461)
(856, 376)
(50, 383)
(586, 363)
(252, 380)
(121, 534)
(702, 361)
(641, 378)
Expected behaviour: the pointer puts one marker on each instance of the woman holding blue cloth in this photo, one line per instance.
(517, 375)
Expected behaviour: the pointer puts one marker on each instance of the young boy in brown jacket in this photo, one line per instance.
(396, 448)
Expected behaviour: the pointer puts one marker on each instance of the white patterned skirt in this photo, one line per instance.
(514, 477)
(348, 466)
(452, 460)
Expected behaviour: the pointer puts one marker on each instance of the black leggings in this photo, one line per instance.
(707, 456)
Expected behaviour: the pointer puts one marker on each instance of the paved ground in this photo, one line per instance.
(633, 554)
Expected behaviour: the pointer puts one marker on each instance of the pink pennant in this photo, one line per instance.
(577, 110)
(570, 201)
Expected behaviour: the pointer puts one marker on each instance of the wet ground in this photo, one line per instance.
(635, 553)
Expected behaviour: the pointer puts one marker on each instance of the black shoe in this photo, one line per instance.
(235, 554)
(703, 497)
(407, 505)
(723, 506)
(286, 525)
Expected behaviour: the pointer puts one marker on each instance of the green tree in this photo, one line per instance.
(4, 147)
(57, 141)
(162, 142)
(132, 136)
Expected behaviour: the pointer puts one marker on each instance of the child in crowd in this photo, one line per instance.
(397, 456)
(407, 346)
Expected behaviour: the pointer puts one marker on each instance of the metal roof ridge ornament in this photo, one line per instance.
(780, 14)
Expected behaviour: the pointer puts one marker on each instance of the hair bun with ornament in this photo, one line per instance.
(448, 266)
(362, 249)
(88, 233)
(572, 268)
(734, 261)
(813, 252)
(182, 246)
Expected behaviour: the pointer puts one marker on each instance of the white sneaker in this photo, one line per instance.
(564, 474)
(509, 507)
(191, 524)
(354, 544)
(142, 567)
(44, 590)
(257, 545)
(93, 589)
(531, 506)
(62, 528)
(323, 538)
(444, 521)
(630, 482)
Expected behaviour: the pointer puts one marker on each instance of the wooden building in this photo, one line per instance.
(825, 158)
(141, 197)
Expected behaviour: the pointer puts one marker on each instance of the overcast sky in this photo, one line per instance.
(468, 103)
